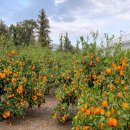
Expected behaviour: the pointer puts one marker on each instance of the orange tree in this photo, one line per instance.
(109, 107)
(21, 85)
(98, 84)
(54, 63)
(77, 79)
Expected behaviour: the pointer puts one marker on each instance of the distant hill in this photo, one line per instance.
(54, 46)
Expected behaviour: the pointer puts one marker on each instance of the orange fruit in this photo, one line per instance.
(85, 127)
(119, 94)
(114, 122)
(110, 122)
(77, 128)
(97, 110)
(111, 87)
(118, 67)
(104, 103)
(82, 110)
(108, 70)
(88, 112)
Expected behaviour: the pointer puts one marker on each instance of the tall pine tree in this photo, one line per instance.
(43, 29)
(61, 43)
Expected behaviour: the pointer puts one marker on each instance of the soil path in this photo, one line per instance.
(37, 119)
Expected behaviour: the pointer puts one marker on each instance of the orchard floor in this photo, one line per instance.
(37, 119)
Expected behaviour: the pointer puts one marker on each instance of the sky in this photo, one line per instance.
(77, 17)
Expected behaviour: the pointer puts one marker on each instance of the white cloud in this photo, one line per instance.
(77, 17)
(79, 26)
(116, 8)
(57, 2)
(124, 16)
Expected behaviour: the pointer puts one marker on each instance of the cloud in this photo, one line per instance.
(80, 25)
(76, 17)
(75, 29)
(95, 8)
(57, 2)
(124, 16)
(116, 8)
(80, 17)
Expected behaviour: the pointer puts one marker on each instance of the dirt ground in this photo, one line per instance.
(37, 119)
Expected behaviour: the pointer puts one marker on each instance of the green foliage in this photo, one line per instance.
(85, 79)
(3, 29)
(27, 32)
(23, 33)
(21, 85)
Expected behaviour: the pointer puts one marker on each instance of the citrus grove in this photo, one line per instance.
(95, 81)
